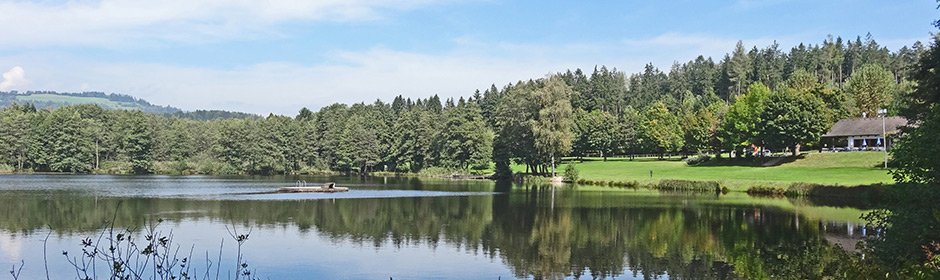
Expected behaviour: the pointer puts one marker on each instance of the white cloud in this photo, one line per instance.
(284, 88)
(116, 23)
(347, 77)
(13, 78)
(361, 76)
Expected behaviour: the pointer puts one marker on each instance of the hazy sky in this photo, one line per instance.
(278, 56)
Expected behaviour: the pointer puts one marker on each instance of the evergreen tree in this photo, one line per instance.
(306, 115)
(359, 147)
(415, 132)
(330, 125)
(738, 66)
(916, 150)
(606, 91)
(581, 88)
(465, 140)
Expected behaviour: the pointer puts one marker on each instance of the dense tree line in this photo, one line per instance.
(753, 98)
(403, 136)
(917, 150)
(761, 97)
(206, 115)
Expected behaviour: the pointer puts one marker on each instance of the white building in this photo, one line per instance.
(862, 133)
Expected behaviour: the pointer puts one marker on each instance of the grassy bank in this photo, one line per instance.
(830, 169)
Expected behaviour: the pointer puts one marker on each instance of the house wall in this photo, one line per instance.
(858, 141)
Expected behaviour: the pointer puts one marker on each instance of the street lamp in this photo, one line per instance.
(884, 134)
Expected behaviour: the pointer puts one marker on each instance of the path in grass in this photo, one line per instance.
(846, 169)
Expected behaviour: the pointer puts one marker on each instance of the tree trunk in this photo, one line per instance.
(553, 165)
(796, 150)
(97, 153)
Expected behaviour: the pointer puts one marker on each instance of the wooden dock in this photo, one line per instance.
(302, 187)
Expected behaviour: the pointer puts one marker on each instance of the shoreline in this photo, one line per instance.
(757, 189)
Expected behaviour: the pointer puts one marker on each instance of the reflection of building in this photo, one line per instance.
(846, 235)
(862, 133)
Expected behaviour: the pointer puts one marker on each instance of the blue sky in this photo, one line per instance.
(278, 56)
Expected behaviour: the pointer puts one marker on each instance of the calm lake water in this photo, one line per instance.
(409, 228)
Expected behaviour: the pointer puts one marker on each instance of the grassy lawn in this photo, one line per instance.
(845, 169)
(654, 198)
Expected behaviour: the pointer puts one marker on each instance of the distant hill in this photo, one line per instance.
(51, 99)
(113, 101)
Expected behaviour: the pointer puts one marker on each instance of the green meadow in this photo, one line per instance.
(838, 169)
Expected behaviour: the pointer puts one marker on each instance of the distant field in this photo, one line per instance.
(845, 169)
(76, 100)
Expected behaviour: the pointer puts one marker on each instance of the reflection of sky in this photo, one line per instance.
(349, 194)
(10, 246)
(280, 253)
(235, 187)
(286, 251)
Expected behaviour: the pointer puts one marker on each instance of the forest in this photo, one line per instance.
(765, 97)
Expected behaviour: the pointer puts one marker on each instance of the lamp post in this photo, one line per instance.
(884, 134)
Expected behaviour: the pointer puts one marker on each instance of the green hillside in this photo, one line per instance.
(112, 101)
(70, 100)
(48, 99)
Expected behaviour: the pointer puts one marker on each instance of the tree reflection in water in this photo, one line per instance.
(578, 234)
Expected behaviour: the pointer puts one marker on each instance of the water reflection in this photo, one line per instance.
(526, 232)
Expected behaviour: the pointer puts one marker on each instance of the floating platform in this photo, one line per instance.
(326, 188)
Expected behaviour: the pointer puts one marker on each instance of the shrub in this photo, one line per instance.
(178, 167)
(436, 171)
(571, 173)
(695, 160)
(683, 185)
(766, 191)
(114, 167)
(801, 189)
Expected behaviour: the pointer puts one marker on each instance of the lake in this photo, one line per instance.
(408, 228)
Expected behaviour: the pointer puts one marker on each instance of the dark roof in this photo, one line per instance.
(865, 126)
